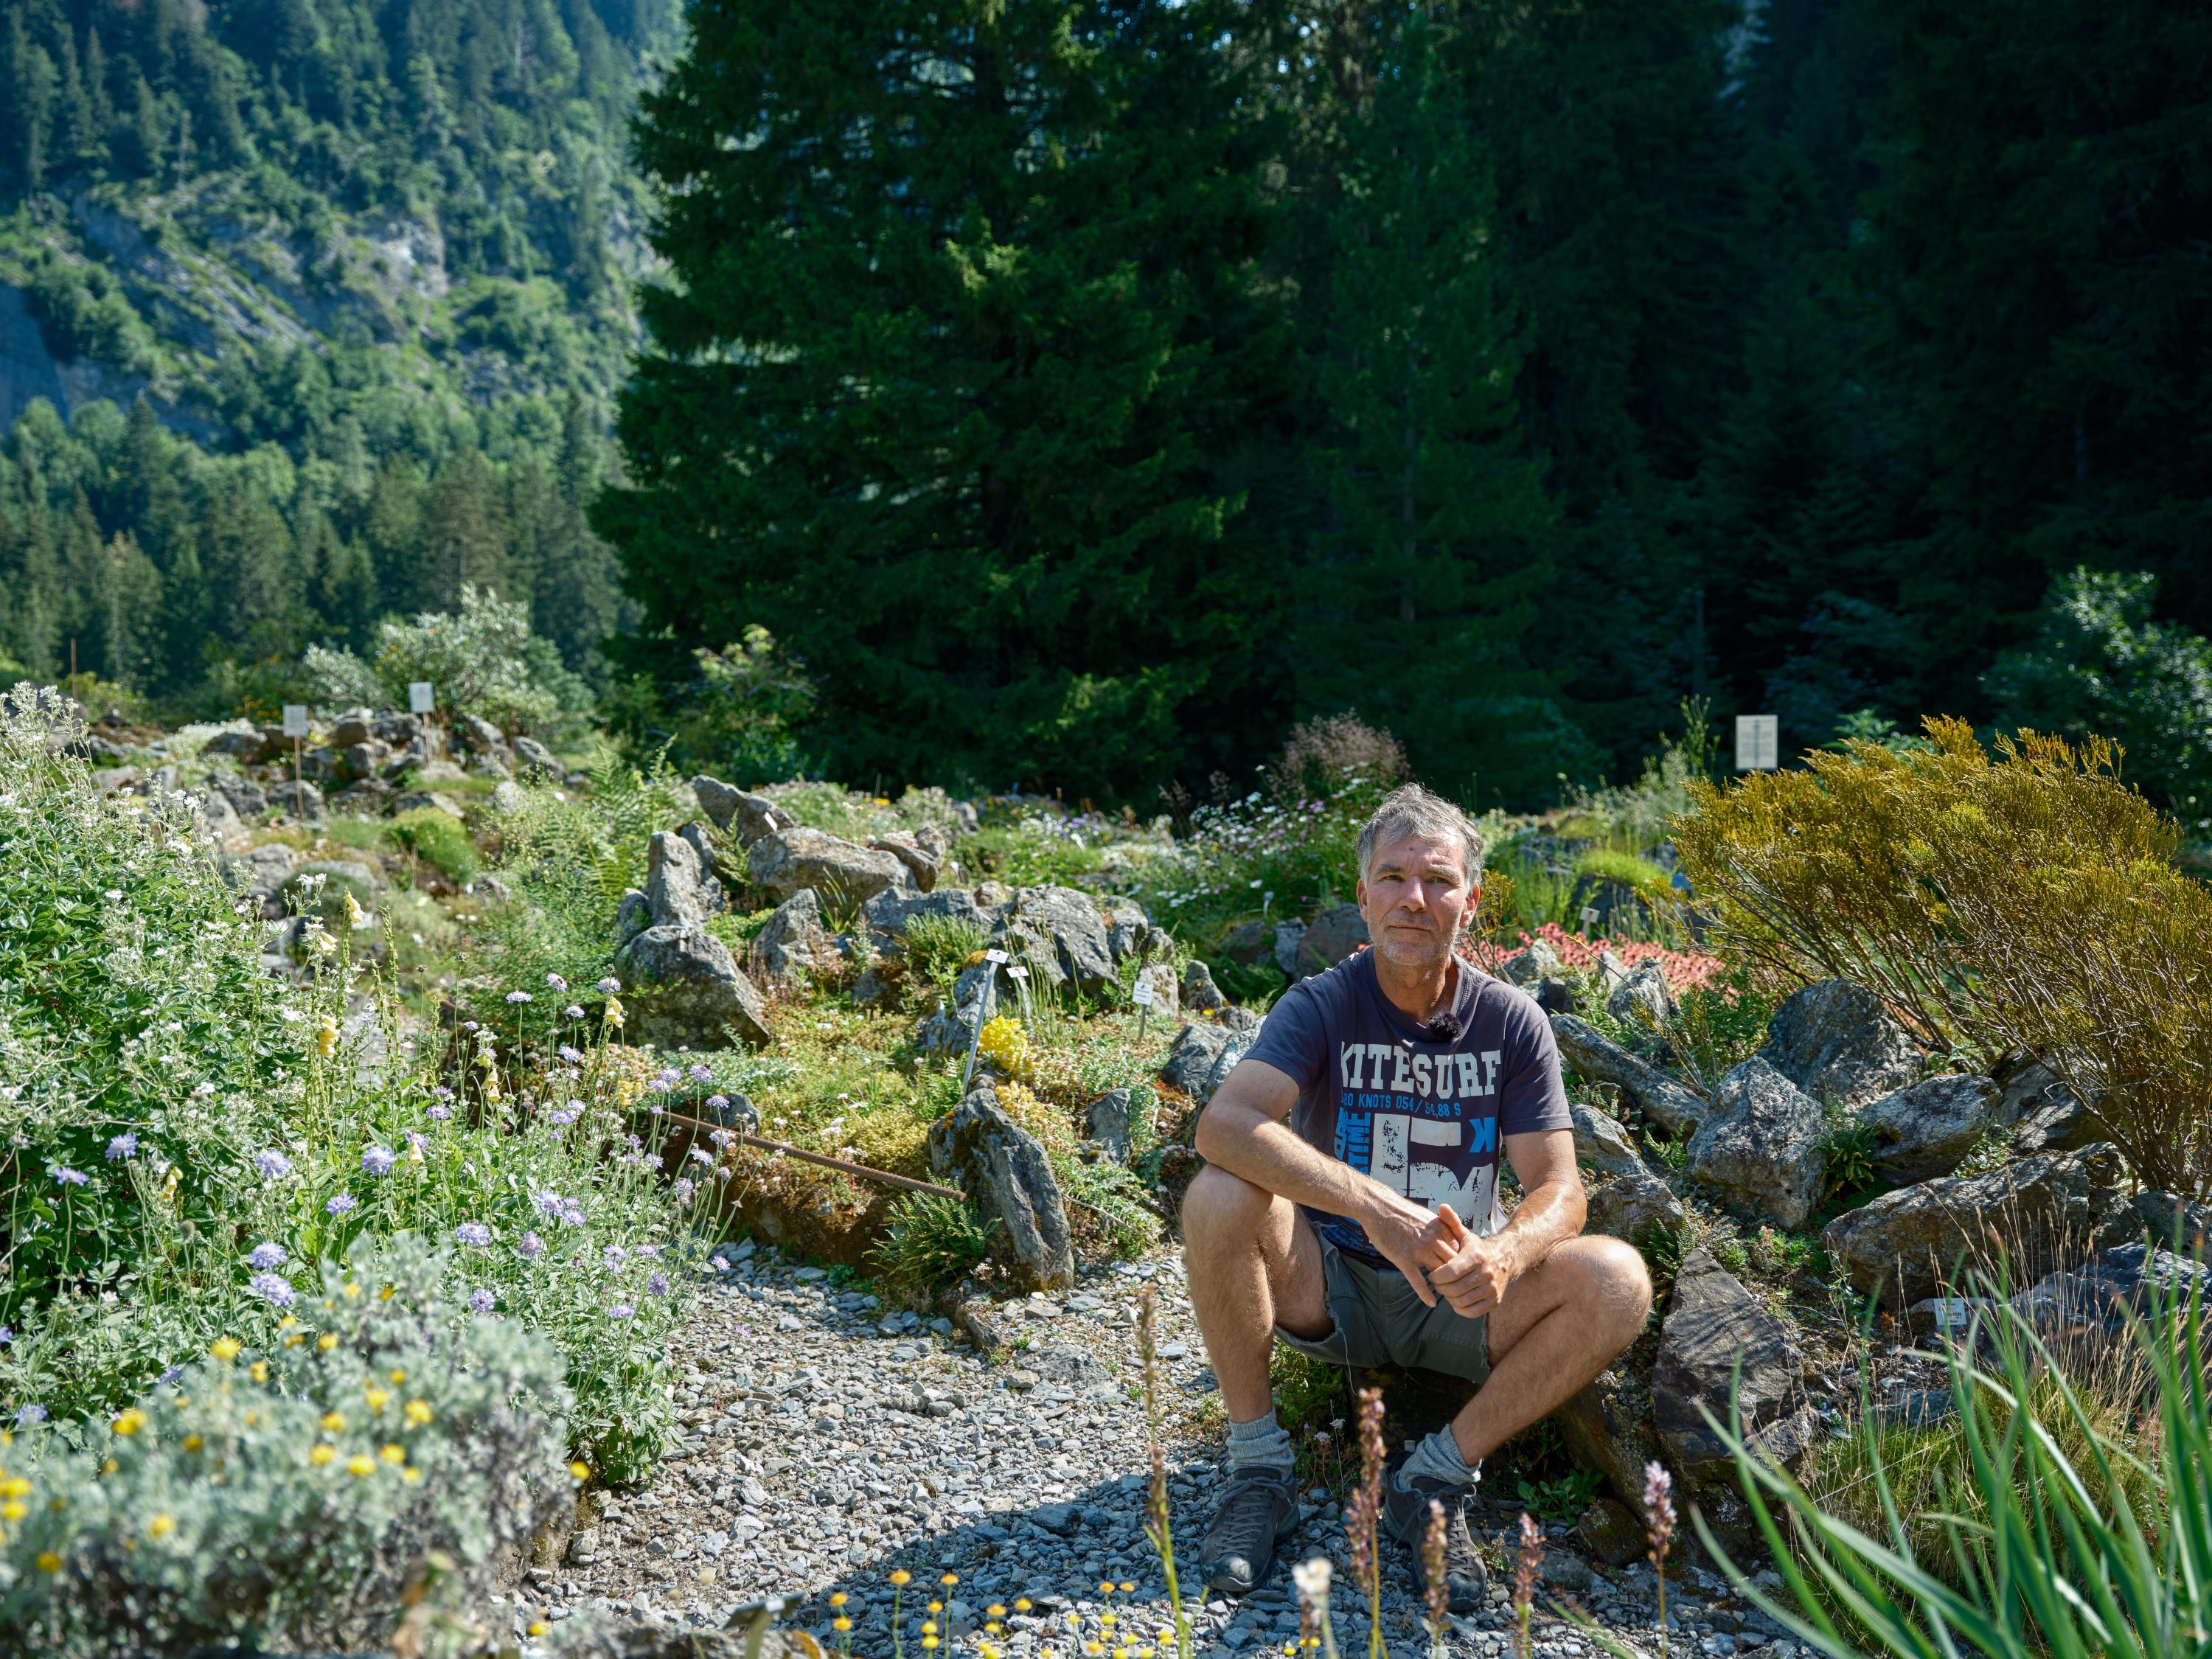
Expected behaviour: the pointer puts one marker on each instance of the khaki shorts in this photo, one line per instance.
(1381, 1321)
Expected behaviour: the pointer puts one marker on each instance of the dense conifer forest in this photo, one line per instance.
(1081, 392)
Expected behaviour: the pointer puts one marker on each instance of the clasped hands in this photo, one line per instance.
(1434, 1248)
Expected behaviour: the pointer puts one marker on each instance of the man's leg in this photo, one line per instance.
(1560, 1324)
(1252, 1262)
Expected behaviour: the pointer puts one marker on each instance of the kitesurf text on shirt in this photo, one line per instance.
(1438, 1077)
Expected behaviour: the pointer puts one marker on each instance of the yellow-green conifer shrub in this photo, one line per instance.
(2025, 897)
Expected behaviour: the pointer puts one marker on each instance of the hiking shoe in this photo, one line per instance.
(1406, 1517)
(1256, 1510)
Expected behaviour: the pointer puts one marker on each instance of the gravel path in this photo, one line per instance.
(823, 1445)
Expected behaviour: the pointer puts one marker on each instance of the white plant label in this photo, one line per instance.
(1589, 916)
(421, 698)
(1953, 1313)
(296, 719)
(994, 956)
(1757, 743)
(1018, 972)
(1144, 994)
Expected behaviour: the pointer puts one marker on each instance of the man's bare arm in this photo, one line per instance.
(1243, 1132)
(1550, 1211)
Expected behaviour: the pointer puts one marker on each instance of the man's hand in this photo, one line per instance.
(1473, 1281)
(1413, 1241)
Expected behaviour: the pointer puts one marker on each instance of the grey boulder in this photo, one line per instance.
(1631, 1206)
(632, 917)
(922, 852)
(1199, 993)
(794, 941)
(844, 875)
(2093, 1308)
(300, 801)
(1289, 935)
(1529, 968)
(1836, 1042)
(1107, 1120)
(2033, 1213)
(1642, 998)
(1601, 1143)
(1760, 1149)
(1060, 934)
(688, 990)
(1005, 1172)
(1334, 934)
(1591, 1054)
(1722, 1352)
(1203, 1055)
(746, 816)
(892, 911)
(680, 887)
(1921, 1132)
(258, 874)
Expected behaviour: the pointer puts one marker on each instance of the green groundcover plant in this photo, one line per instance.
(191, 1144)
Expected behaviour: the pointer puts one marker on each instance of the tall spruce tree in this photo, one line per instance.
(1426, 585)
(951, 386)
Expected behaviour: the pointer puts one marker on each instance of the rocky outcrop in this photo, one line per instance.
(258, 874)
(1921, 1132)
(1059, 933)
(2093, 1308)
(1760, 1149)
(1005, 1172)
(1607, 1428)
(840, 873)
(1167, 994)
(1107, 1120)
(1596, 1058)
(890, 912)
(1528, 968)
(2032, 1213)
(301, 801)
(1836, 1042)
(952, 1029)
(688, 990)
(1289, 935)
(922, 851)
(1723, 1352)
(633, 915)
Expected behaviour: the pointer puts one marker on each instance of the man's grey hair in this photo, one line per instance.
(1410, 810)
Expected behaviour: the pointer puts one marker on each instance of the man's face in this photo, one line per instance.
(1416, 898)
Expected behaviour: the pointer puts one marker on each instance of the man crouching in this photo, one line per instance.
(1349, 1205)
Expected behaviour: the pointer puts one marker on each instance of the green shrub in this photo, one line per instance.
(738, 715)
(1646, 879)
(485, 661)
(287, 1493)
(931, 1240)
(439, 839)
(2027, 900)
(938, 947)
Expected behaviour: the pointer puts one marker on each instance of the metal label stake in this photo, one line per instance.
(991, 961)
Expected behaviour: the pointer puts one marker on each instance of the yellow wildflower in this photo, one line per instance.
(326, 1038)
(322, 1454)
(325, 1342)
(929, 1627)
(581, 1471)
(333, 1422)
(130, 1421)
(929, 1642)
(377, 1398)
(398, 1377)
(352, 1291)
(901, 1577)
(193, 1442)
(225, 1349)
(417, 1412)
(1021, 1604)
(361, 1463)
(949, 1578)
(393, 1454)
(411, 1474)
(839, 1599)
(354, 916)
(841, 1624)
(997, 1610)
(538, 1627)
(1005, 1045)
(49, 1562)
(13, 1509)
(160, 1526)
(259, 1370)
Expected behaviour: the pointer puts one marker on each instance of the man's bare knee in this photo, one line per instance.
(1220, 1207)
(1613, 1283)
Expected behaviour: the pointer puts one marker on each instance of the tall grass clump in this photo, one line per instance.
(2054, 1527)
(2027, 898)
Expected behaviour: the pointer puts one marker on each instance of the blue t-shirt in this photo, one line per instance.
(1423, 1117)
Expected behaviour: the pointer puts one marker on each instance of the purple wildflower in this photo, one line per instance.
(519, 996)
(272, 1164)
(473, 1232)
(170, 1375)
(574, 1215)
(573, 1013)
(64, 1176)
(700, 1155)
(442, 1092)
(26, 1415)
(644, 1250)
(342, 1204)
(271, 1287)
(574, 1056)
(657, 1286)
(614, 1254)
(483, 1301)
(549, 1202)
(7, 1335)
(561, 1120)
(122, 1147)
(701, 1074)
(530, 1248)
(554, 982)
(622, 1310)
(469, 1025)
(684, 1189)
(610, 986)
(441, 1111)
(718, 1102)
(267, 1254)
(377, 1160)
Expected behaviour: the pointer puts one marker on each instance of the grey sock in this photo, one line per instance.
(1437, 1458)
(1262, 1444)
